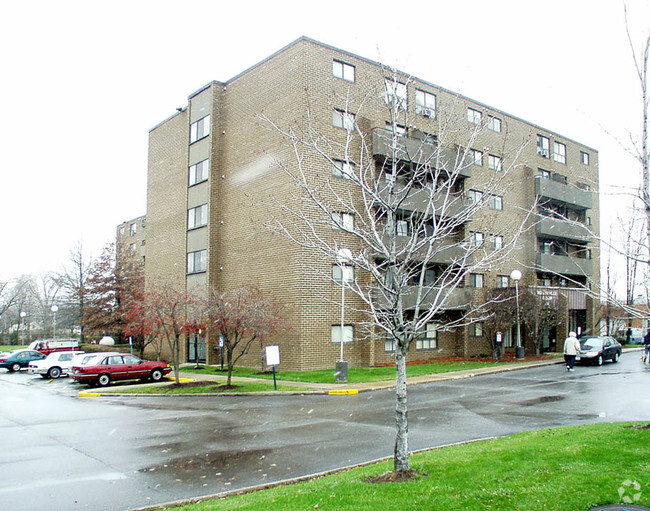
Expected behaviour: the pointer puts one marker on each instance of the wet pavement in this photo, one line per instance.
(62, 452)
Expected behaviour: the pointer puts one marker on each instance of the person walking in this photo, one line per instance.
(571, 349)
(646, 343)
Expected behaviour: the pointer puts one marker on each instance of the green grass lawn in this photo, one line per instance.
(355, 374)
(6, 347)
(208, 388)
(562, 469)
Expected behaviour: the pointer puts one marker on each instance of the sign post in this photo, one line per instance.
(273, 359)
(221, 350)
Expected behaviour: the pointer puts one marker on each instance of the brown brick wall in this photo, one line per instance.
(293, 88)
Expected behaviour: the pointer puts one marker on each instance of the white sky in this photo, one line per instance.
(84, 81)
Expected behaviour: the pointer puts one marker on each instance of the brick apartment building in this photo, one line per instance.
(213, 167)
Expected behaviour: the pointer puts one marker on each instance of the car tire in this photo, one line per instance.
(156, 375)
(54, 372)
(103, 380)
(599, 360)
(14, 368)
(617, 355)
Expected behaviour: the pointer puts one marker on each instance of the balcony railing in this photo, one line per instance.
(563, 192)
(420, 200)
(565, 265)
(549, 227)
(418, 151)
(454, 299)
(445, 251)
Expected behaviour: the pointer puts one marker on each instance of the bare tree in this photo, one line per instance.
(404, 249)
(73, 280)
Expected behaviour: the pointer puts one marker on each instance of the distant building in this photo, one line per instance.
(131, 238)
(212, 169)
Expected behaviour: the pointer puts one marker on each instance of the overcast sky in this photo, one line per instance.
(84, 81)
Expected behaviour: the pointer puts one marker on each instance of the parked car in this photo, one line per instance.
(56, 364)
(104, 368)
(16, 360)
(598, 349)
(47, 346)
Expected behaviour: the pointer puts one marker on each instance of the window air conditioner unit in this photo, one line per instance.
(542, 152)
(427, 112)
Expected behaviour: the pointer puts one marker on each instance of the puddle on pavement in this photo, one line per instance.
(541, 400)
(215, 465)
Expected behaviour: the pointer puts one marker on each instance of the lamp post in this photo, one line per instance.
(54, 310)
(23, 315)
(343, 256)
(519, 350)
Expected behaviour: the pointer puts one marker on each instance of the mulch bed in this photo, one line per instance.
(394, 477)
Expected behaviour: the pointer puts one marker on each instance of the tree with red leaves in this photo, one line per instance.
(167, 314)
(241, 316)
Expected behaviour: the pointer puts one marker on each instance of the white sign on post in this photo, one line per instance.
(273, 355)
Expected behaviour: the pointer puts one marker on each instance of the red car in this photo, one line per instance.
(103, 369)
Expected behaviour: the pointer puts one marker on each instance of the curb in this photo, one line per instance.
(349, 391)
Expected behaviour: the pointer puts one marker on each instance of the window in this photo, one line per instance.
(584, 158)
(342, 119)
(476, 280)
(503, 281)
(546, 247)
(474, 116)
(475, 196)
(197, 262)
(342, 169)
(494, 123)
(425, 103)
(428, 340)
(342, 272)
(476, 239)
(197, 217)
(348, 334)
(343, 71)
(476, 330)
(496, 202)
(133, 247)
(402, 228)
(476, 157)
(396, 94)
(543, 146)
(397, 129)
(559, 152)
(133, 228)
(343, 221)
(200, 129)
(389, 344)
(544, 174)
(199, 172)
(546, 282)
(495, 163)
(496, 241)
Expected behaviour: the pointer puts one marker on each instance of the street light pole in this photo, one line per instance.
(519, 350)
(54, 310)
(341, 371)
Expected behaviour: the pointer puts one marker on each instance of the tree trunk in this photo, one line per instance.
(401, 416)
(230, 367)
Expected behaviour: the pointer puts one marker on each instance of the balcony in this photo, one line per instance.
(420, 200)
(415, 150)
(548, 227)
(455, 299)
(562, 192)
(445, 251)
(565, 265)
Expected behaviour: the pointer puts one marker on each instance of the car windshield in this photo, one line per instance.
(592, 343)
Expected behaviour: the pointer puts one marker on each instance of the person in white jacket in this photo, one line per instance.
(571, 349)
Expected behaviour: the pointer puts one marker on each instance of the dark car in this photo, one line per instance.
(598, 349)
(19, 359)
(103, 369)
